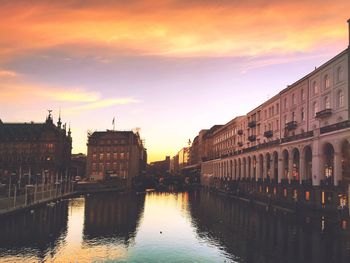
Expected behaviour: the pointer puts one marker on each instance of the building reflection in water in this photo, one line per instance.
(112, 218)
(37, 233)
(254, 235)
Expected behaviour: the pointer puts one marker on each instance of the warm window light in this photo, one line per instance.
(307, 196)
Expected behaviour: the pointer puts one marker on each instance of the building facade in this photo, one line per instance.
(34, 152)
(297, 144)
(115, 154)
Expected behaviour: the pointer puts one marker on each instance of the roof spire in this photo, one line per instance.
(59, 123)
(69, 131)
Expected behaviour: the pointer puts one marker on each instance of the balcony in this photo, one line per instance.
(324, 113)
(240, 132)
(298, 137)
(292, 125)
(268, 134)
(335, 127)
(251, 124)
(252, 138)
(240, 144)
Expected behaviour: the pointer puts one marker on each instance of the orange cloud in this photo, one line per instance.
(174, 28)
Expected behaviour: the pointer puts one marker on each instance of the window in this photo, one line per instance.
(302, 115)
(314, 108)
(285, 103)
(273, 110)
(285, 119)
(326, 81)
(314, 88)
(293, 99)
(340, 98)
(302, 95)
(340, 74)
(101, 156)
(277, 108)
(327, 104)
(277, 125)
(293, 116)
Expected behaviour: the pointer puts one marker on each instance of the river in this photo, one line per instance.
(168, 227)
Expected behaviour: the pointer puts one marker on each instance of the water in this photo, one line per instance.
(168, 227)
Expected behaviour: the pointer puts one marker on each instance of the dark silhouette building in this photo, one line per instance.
(34, 151)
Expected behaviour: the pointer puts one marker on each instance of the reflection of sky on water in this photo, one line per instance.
(167, 227)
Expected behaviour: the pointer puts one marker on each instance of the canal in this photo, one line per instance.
(168, 227)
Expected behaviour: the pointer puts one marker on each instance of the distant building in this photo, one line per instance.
(184, 157)
(78, 165)
(174, 164)
(34, 151)
(160, 167)
(115, 154)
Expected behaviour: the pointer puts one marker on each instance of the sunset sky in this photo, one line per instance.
(170, 67)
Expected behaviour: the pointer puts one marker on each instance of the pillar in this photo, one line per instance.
(302, 167)
(316, 171)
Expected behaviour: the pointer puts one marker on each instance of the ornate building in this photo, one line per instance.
(115, 154)
(296, 144)
(34, 151)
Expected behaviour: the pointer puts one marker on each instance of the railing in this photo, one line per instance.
(252, 138)
(335, 127)
(34, 194)
(251, 124)
(300, 136)
(291, 125)
(324, 113)
(268, 134)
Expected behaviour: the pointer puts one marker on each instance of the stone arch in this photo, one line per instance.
(275, 166)
(244, 175)
(261, 165)
(268, 165)
(295, 164)
(307, 155)
(249, 167)
(254, 164)
(327, 167)
(239, 168)
(285, 164)
(235, 168)
(345, 161)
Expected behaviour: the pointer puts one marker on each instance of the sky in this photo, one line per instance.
(170, 68)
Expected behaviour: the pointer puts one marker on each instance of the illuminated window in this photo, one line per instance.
(307, 196)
